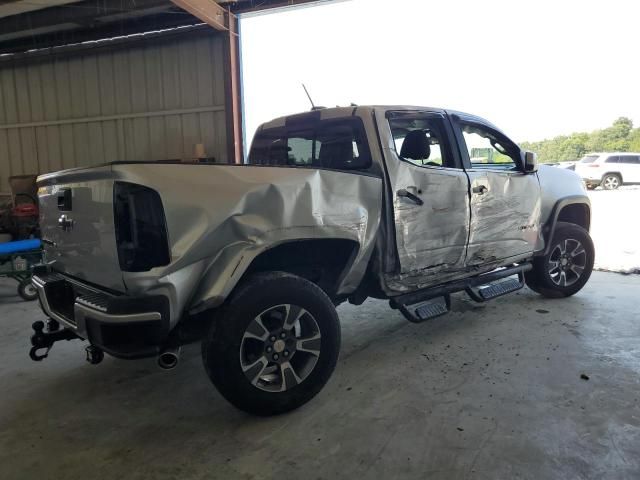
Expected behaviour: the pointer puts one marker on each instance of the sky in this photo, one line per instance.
(536, 69)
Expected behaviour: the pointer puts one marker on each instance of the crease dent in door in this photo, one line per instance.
(431, 229)
(504, 211)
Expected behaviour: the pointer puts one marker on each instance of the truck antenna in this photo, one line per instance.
(313, 106)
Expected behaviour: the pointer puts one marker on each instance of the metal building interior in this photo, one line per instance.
(86, 82)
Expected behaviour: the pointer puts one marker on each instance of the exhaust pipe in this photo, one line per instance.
(168, 358)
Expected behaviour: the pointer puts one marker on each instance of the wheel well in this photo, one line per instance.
(577, 213)
(617, 174)
(320, 261)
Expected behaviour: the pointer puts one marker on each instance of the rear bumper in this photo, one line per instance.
(123, 326)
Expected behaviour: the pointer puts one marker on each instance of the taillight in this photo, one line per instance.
(141, 229)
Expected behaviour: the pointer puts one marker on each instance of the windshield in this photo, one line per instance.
(589, 159)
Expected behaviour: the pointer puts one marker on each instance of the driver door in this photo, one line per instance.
(504, 200)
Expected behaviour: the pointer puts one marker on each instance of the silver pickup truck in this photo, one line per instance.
(408, 204)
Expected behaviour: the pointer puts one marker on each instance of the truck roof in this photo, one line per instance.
(345, 112)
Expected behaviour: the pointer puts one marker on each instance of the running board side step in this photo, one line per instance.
(432, 302)
(495, 290)
(426, 310)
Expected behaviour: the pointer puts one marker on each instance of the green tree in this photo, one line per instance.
(634, 140)
(620, 136)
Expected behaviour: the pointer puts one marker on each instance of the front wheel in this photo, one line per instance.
(566, 268)
(274, 345)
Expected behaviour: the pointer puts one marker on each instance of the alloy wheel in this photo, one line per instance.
(611, 182)
(567, 262)
(280, 348)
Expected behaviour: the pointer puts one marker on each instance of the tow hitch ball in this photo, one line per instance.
(42, 340)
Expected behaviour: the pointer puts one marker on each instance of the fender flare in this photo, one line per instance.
(550, 225)
(245, 258)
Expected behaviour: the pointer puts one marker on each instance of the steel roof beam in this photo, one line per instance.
(208, 11)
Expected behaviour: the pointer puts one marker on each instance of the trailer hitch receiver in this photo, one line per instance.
(41, 340)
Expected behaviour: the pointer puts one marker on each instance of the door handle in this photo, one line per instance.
(480, 189)
(406, 194)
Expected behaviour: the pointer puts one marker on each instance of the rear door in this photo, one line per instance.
(77, 225)
(430, 196)
(504, 202)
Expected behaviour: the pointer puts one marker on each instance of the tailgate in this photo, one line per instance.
(77, 224)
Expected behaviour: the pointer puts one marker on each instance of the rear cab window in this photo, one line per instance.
(330, 144)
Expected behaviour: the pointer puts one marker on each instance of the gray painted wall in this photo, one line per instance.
(148, 101)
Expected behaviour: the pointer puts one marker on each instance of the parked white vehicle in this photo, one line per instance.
(609, 170)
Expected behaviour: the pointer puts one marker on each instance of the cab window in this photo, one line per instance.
(488, 149)
(633, 159)
(339, 145)
(421, 141)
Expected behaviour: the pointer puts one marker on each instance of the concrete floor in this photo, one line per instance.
(487, 392)
(615, 234)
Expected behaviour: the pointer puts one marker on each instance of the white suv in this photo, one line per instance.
(609, 170)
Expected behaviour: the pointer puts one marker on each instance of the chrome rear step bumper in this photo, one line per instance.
(126, 327)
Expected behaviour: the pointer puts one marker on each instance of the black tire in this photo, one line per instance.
(548, 284)
(223, 348)
(27, 291)
(611, 181)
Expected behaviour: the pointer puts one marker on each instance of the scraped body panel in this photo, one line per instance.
(505, 221)
(219, 218)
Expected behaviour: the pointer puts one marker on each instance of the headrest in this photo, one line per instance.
(416, 146)
(336, 154)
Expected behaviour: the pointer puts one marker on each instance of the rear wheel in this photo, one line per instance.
(27, 291)
(611, 181)
(566, 268)
(274, 345)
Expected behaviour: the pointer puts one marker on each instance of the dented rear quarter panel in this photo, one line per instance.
(220, 217)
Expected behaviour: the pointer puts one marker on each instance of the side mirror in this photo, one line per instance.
(530, 162)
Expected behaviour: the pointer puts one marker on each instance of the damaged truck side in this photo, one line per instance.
(408, 204)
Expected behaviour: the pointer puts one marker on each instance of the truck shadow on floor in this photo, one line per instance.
(135, 400)
(65, 380)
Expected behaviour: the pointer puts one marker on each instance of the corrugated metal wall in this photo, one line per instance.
(143, 102)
